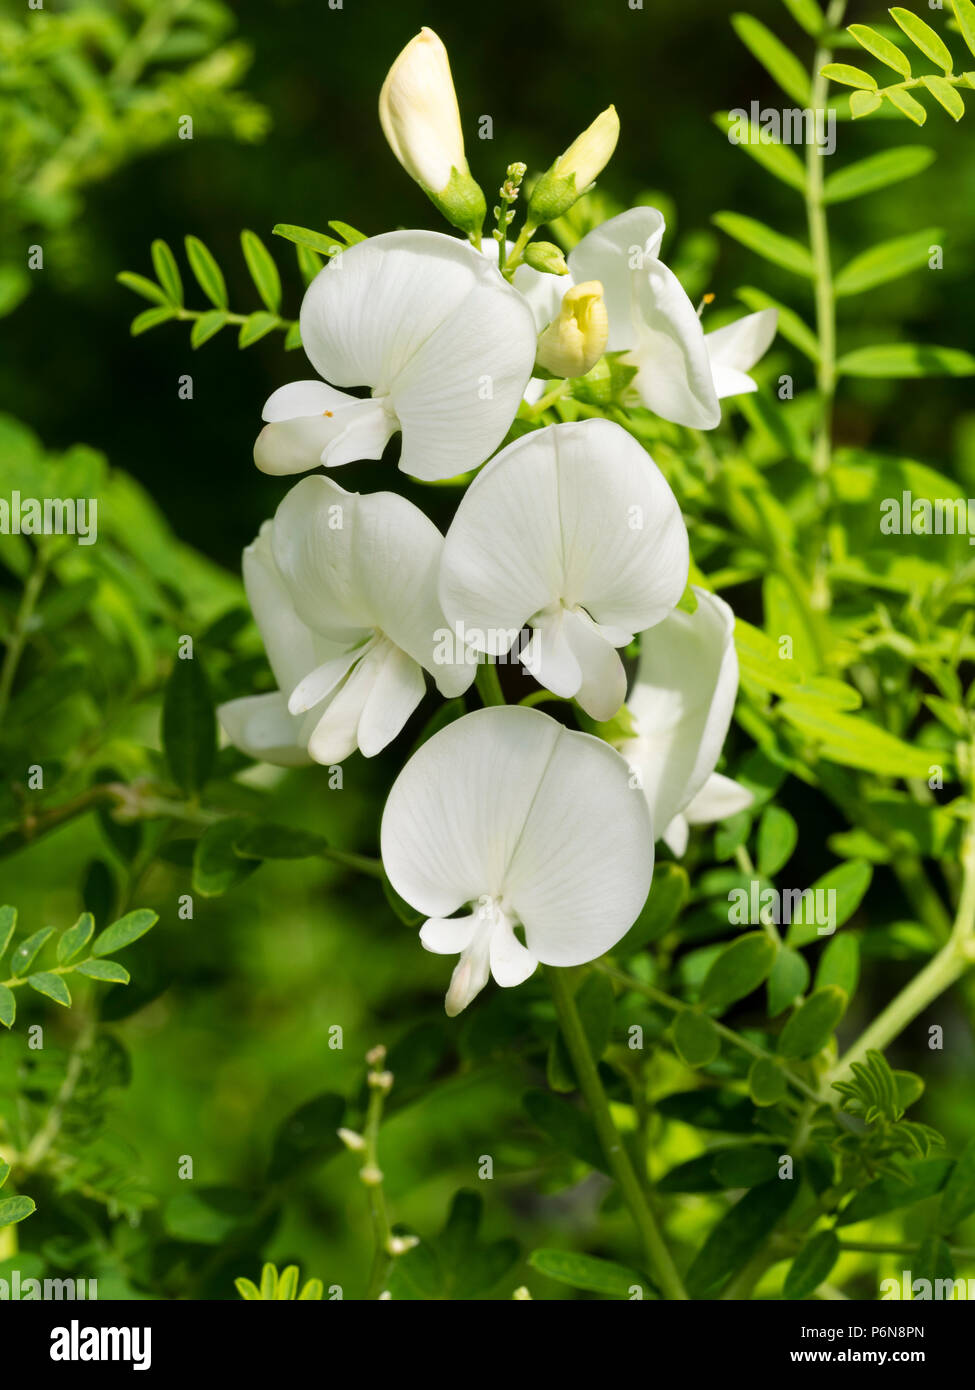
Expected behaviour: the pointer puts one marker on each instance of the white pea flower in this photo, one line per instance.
(261, 725)
(524, 822)
(681, 704)
(360, 575)
(420, 119)
(574, 531)
(681, 371)
(444, 342)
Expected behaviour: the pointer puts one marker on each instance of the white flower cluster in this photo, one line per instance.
(571, 531)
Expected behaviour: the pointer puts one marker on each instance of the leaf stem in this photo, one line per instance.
(661, 1262)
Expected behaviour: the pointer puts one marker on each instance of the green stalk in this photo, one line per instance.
(488, 684)
(941, 972)
(825, 310)
(660, 1261)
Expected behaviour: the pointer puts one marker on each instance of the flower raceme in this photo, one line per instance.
(344, 589)
(681, 706)
(574, 531)
(446, 345)
(525, 822)
(420, 118)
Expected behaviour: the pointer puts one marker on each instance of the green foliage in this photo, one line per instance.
(91, 87)
(70, 955)
(280, 1286)
(722, 1046)
(898, 50)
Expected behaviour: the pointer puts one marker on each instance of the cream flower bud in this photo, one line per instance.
(588, 155)
(574, 171)
(575, 341)
(420, 118)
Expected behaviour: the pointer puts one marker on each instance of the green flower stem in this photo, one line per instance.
(941, 972)
(18, 636)
(667, 1001)
(488, 684)
(371, 1175)
(825, 310)
(518, 250)
(661, 1263)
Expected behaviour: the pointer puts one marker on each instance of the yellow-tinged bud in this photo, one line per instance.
(420, 118)
(574, 171)
(575, 341)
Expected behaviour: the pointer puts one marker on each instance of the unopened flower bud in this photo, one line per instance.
(575, 341)
(521, 1294)
(376, 1055)
(574, 171)
(370, 1175)
(546, 256)
(380, 1080)
(352, 1140)
(420, 119)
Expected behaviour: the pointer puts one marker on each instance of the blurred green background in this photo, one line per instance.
(240, 1037)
